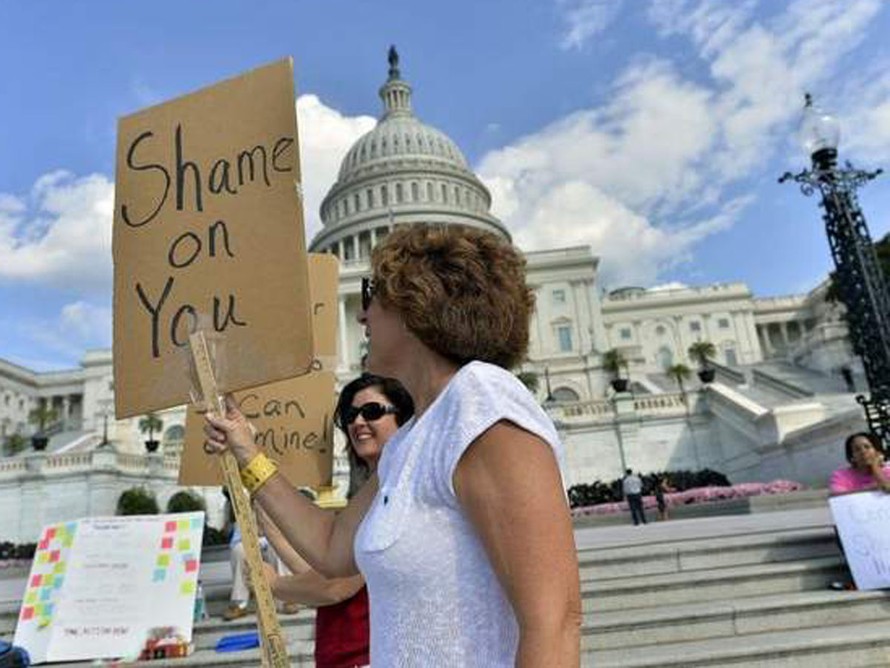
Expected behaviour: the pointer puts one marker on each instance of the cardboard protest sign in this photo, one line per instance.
(863, 524)
(103, 587)
(293, 419)
(208, 234)
(324, 275)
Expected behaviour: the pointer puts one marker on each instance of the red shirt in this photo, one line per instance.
(342, 636)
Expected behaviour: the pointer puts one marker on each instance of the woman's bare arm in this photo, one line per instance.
(508, 483)
(311, 588)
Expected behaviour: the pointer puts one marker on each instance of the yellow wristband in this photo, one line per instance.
(257, 472)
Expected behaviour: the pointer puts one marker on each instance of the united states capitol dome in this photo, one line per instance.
(401, 172)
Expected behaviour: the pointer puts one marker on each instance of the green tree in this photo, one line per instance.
(137, 501)
(679, 372)
(42, 416)
(14, 444)
(613, 360)
(149, 424)
(186, 501)
(530, 380)
(702, 352)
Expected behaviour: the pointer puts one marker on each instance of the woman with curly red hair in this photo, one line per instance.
(463, 535)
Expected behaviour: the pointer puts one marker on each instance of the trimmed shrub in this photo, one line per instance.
(186, 501)
(598, 492)
(137, 501)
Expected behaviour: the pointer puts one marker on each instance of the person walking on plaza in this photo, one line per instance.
(463, 534)
(662, 487)
(632, 487)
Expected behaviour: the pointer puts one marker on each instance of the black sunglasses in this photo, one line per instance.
(371, 412)
(367, 292)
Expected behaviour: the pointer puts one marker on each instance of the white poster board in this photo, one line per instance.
(863, 524)
(101, 587)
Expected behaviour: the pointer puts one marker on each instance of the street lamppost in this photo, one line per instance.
(549, 399)
(858, 276)
(105, 407)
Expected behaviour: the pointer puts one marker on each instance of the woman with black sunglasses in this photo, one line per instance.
(369, 411)
(463, 535)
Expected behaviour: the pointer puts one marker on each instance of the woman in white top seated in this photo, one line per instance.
(463, 535)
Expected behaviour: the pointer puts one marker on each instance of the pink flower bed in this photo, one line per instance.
(698, 495)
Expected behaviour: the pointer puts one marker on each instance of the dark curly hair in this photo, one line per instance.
(459, 289)
(872, 438)
(395, 392)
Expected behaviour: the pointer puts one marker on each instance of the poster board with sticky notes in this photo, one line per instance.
(102, 587)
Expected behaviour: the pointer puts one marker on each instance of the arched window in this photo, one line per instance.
(356, 202)
(369, 195)
(565, 394)
(444, 194)
(665, 357)
(399, 194)
(415, 192)
(429, 192)
(384, 195)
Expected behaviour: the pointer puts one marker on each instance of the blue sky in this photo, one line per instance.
(653, 131)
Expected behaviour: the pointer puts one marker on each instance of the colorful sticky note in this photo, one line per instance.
(54, 556)
(59, 567)
(70, 527)
(45, 594)
(47, 609)
(197, 523)
(27, 613)
(51, 533)
(159, 575)
(191, 565)
(31, 597)
(42, 545)
(163, 560)
(183, 525)
(187, 588)
(58, 583)
(36, 580)
(185, 544)
(67, 540)
(166, 543)
(48, 579)
(43, 622)
(43, 558)
(170, 526)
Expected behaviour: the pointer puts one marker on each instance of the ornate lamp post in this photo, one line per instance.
(105, 408)
(859, 279)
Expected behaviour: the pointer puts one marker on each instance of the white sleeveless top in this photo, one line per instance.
(434, 597)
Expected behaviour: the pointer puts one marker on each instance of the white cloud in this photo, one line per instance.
(325, 136)
(61, 337)
(646, 177)
(585, 19)
(60, 234)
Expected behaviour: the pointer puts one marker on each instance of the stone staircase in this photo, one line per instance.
(746, 590)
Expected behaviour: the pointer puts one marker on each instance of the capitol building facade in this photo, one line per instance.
(781, 402)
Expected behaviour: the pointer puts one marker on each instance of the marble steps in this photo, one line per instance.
(748, 616)
(840, 644)
(674, 557)
(716, 584)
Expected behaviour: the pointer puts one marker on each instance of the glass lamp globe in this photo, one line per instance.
(819, 130)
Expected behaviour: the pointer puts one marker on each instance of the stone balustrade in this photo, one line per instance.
(72, 462)
(670, 404)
